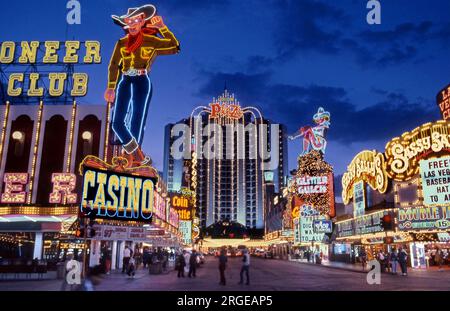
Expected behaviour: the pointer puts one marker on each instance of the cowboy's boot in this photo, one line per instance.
(143, 159)
(129, 151)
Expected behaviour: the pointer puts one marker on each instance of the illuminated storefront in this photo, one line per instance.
(410, 183)
(46, 132)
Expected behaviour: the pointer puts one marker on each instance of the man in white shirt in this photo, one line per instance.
(126, 258)
(245, 267)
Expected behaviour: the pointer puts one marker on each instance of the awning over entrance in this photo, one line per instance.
(24, 223)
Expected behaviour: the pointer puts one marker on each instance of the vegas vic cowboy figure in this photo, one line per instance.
(129, 86)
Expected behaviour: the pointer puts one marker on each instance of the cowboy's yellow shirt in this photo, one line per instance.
(143, 57)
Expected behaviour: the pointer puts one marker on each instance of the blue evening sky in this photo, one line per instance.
(285, 57)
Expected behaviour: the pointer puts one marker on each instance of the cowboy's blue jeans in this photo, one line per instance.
(133, 97)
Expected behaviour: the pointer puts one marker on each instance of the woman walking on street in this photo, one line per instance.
(180, 264)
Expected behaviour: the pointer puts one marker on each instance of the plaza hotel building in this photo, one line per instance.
(228, 190)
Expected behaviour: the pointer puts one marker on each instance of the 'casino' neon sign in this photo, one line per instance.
(107, 194)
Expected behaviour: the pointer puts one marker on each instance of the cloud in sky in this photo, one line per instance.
(295, 105)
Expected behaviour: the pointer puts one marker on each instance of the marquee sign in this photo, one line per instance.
(369, 167)
(443, 102)
(424, 218)
(435, 176)
(181, 202)
(361, 225)
(404, 153)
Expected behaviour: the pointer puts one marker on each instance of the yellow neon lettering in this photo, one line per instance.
(34, 90)
(80, 83)
(92, 52)
(71, 52)
(51, 49)
(7, 52)
(56, 87)
(29, 51)
(13, 78)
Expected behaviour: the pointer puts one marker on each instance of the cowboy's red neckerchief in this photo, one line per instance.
(135, 42)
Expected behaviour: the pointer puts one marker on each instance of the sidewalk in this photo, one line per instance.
(358, 267)
(333, 265)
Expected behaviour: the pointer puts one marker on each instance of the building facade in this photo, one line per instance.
(226, 166)
(41, 149)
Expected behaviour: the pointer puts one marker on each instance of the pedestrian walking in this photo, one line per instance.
(146, 257)
(187, 257)
(402, 260)
(192, 264)
(381, 260)
(363, 256)
(393, 257)
(438, 258)
(131, 271)
(222, 266)
(245, 267)
(180, 264)
(126, 258)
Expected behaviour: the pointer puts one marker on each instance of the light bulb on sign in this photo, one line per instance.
(86, 135)
(17, 135)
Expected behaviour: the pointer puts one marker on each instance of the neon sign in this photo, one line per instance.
(424, 218)
(312, 184)
(14, 187)
(129, 86)
(314, 136)
(404, 153)
(225, 110)
(112, 195)
(20, 84)
(369, 167)
(181, 203)
(443, 102)
(63, 185)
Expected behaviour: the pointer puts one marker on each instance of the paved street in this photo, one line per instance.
(266, 275)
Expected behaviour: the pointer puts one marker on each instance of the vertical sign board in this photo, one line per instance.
(443, 101)
(296, 231)
(185, 227)
(359, 199)
(435, 175)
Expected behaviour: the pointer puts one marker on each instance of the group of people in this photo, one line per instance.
(132, 260)
(389, 261)
(187, 261)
